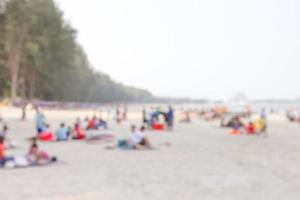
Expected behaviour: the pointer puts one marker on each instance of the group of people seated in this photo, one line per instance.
(78, 131)
(259, 125)
(33, 157)
(151, 118)
(64, 132)
(136, 140)
(92, 124)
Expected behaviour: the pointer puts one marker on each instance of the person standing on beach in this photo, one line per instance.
(144, 112)
(40, 121)
(263, 117)
(124, 117)
(118, 115)
(146, 117)
(4, 131)
(170, 118)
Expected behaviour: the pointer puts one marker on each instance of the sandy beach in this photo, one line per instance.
(207, 91)
(203, 161)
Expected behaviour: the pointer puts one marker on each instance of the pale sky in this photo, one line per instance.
(193, 48)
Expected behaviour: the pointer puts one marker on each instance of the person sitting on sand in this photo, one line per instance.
(3, 158)
(78, 133)
(101, 124)
(236, 123)
(250, 128)
(137, 139)
(62, 133)
(36, 156)
(92, 123)
(236, 126)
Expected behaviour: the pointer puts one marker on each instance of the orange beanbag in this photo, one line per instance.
(45, 136)
(157, 126)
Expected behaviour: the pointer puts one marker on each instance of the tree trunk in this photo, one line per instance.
(14, 80)
(15, 45)
(13, 65)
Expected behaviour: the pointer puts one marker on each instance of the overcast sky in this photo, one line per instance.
(194, 48)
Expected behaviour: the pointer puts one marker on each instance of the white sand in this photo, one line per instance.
(203, 162)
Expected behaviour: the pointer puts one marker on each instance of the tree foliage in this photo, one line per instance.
(40, 58)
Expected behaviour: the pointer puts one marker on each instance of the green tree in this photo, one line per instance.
(39, 52)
